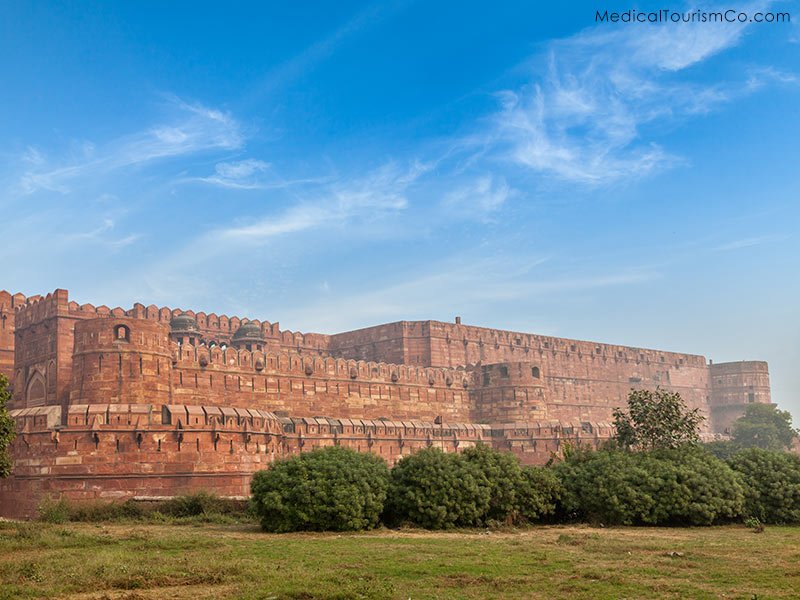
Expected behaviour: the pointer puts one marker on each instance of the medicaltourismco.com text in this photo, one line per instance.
(666, 15)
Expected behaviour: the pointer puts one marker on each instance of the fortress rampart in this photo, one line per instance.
(114, 403)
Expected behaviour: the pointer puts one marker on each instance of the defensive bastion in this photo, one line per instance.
(154, 402)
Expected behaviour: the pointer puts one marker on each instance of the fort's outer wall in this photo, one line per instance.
(8, 304)
(127, 360)
(734, 386)
(582, 380)
(309, 386)
(119, 451)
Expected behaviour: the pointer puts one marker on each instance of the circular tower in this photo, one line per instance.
(120, 360)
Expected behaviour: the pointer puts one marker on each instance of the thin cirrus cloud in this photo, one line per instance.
(250, 174)
(583, 118)
(749, 242)
(194, 128)
(374, 196)
(481, 196)
(242, 175)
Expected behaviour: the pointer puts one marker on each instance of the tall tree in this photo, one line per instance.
(8, 429)
(656, 419)
(764, 426)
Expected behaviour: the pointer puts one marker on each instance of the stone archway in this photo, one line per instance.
(35, 392)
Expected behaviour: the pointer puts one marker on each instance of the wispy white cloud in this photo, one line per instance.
(251, 174)
(373, 196)
(244, 174)
(104, 234)
(748, 242)
(194, 128)
(480, 197)
(582, 117)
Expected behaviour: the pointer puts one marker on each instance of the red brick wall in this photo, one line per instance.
(118, 451)
(310, 386)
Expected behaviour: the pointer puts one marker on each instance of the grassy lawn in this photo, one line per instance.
(137, 560)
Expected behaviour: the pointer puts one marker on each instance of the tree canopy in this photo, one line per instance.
(764, 426)
(7, 428)
(656, 419)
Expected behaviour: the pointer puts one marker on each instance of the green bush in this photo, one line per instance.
(505, 479)
(199, 504)
(706, 489)
(722, 449)
(334, 489)
(681, 486)
(772, 484)
(438, 490)
(93, 512)
(517, 494)
(540, 493)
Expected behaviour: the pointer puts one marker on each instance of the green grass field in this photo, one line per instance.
(136, 560)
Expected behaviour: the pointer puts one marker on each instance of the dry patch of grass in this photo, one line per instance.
(144, 561)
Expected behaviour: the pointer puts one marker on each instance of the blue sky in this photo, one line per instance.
(336, 165)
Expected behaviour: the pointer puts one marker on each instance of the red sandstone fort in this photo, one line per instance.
(153, 402)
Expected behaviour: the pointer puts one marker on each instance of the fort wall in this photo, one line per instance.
(114, 403)
(118, 451)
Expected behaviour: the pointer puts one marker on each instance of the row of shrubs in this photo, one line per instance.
(337, 489)
(198, 507)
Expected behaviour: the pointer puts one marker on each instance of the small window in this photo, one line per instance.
(751, 397)
(122, 333)
(573, 347)
(486, 379)
(504, 371)
(536, 373)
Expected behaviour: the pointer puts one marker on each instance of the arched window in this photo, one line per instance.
(122, 333)
(536, 373)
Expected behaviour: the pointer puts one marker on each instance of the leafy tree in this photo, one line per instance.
(438, 490)
(329, 489)
(656, 419)
(772, 484)
(764, 426)
(8, 429)
(722, 449)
